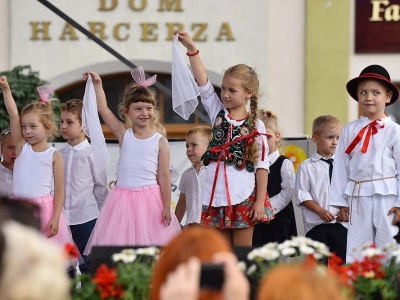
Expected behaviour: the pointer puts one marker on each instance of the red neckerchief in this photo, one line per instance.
(372, 129)
(222, 150)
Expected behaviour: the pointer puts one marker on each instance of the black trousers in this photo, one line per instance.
(80, 235)
(280, 229)
(333, 235)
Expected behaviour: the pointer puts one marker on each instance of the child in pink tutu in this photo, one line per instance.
(137, 211)
(37, 162)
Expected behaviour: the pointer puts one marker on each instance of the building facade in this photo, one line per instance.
(304, 51)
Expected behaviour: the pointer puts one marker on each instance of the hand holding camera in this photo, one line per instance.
(191, 277)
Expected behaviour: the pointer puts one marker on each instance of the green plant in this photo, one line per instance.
(129, 279)
(23, 83)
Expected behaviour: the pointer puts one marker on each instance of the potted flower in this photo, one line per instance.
(374, 277)
(129, 279)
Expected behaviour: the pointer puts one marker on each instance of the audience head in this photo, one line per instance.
(197, 242)
(299, 282)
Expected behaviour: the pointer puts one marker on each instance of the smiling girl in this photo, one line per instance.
(37, 162)
(137, 211)
(234, 191)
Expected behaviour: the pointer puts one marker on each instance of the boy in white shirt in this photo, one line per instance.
(365, 181)
(85, 190)
(189, 202)
(313, 184)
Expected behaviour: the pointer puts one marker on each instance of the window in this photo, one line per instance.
(114, 86)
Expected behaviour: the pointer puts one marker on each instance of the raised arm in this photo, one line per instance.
(115, 125)
(12, 110)
(195, 62)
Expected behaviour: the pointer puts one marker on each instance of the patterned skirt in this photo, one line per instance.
(237, 216)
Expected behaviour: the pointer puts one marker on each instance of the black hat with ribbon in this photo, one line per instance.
(373, 72)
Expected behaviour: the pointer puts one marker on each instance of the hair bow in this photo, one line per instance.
(45, 91)
(140, 79)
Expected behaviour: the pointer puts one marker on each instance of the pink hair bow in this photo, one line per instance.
(45, 91)
(139, 77)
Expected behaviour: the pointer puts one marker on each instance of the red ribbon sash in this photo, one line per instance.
(372, 129)
(222, 150)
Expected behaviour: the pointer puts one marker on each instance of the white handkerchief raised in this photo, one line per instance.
(92, 128)
(184, 87)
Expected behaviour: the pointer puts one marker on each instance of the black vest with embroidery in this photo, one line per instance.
(235, 155)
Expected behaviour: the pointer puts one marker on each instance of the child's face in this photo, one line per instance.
(372, 98)
(275, 137)
(8, 151)
(33, 129)
(233, 94)
(141, 113)
(327, 140)
(196, 146)
(71, 127)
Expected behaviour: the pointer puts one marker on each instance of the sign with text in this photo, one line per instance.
(377, 26)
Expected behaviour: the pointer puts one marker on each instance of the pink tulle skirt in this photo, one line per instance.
(63, 237)
(132, 217)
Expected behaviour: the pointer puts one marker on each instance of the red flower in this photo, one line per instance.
(335, 261)
(106, 279)
(71, 251)
(310, 261)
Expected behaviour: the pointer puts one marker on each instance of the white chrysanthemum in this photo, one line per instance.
(371, 252)
(128, 251)
(252, 254)
(271, 245)
(251, 269)
(370, 274)
(128, 258)
(306, 250)
(269, 254)
(263, 253)
(242, 266)
(288, 244)
(319, 246)
(324, 252)
(390, 247)
(297, 241)
(117, 257)
(150, 251)
(289, 251)
(318, 256)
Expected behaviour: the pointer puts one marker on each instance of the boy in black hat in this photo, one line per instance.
(365, 182)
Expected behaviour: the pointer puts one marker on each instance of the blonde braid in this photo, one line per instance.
(253, 148)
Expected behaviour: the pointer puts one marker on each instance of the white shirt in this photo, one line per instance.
(241, 183)
(190, 185)
(281, 200)
(381, 159)
(312, 183)
(85, 191)
(6, 179)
